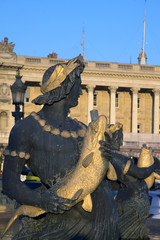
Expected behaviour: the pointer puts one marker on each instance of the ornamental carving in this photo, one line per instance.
(135, 90)
(112, 89)
(156, 91)
(5, 93)
(6, 47)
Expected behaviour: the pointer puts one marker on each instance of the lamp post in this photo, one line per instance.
(18, 91)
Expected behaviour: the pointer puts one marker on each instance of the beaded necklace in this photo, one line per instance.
(48, 128)
(55, 131)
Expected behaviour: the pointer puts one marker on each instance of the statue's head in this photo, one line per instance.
(58, 81)
(6, 40)
(117, 138)
(115, 132)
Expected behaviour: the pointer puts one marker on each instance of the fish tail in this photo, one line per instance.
(24, 210)
(10, 223)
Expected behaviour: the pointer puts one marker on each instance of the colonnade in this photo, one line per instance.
(134, 91)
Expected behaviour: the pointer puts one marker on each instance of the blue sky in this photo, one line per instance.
(113, 28)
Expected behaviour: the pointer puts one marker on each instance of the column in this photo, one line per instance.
(90, 100)
(134, 109)
(112, 113)
(156, 111)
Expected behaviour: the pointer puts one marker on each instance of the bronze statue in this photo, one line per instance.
(132, 198)
(84, 179)
(50, 143)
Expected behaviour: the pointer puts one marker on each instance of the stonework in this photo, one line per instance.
(103, 77)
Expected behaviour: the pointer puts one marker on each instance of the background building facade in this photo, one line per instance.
(126, 93)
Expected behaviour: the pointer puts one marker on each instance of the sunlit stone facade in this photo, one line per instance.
(126, 93)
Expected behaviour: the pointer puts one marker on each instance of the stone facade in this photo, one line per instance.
(127, 93)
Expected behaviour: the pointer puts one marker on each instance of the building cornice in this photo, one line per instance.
(10, 65)
(122, 75)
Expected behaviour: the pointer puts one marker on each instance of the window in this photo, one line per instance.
(159, 129)
(117, 100)
(95, 99)
(138, 128)
(138, 101)
(3, 121)
(27, 95)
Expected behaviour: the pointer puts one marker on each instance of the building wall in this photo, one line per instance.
(102, 102)
(104, 79)
(80, 112)
(145, 112)
(123, 111)
(29, 106)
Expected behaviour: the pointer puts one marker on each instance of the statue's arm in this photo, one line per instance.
(142, 173)
(12, 185)
(118, 169)
(20, 142)
(15, 189)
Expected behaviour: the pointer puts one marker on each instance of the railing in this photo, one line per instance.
(136, 141)
(33, 60)
(93, 64)
(146, 68)
(142, 137)
(102, 65)
(125, 67)
(55, 61)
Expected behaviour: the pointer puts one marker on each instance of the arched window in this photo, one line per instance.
(3, 120)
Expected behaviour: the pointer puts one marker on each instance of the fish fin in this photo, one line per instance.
(111, 173)
(87, 160)
(77, 194)
(157, 176)
(87, 203)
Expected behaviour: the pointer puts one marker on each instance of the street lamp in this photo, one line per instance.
(18, 91)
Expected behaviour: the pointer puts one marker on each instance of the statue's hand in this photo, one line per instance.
(106, 147)
(51, 202)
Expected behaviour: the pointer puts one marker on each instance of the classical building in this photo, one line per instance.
(126, 93)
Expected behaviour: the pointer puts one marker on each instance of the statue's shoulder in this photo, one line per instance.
(21, 135)
(25, 125)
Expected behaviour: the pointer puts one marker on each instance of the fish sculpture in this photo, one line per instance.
(146, 160)
(85, 177)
